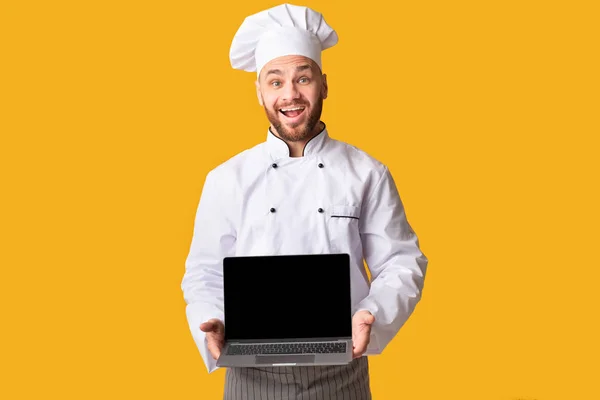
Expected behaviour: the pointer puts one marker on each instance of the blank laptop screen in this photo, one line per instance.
(284, 297)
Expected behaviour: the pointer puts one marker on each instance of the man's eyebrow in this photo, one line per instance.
(278, 71)
(273, 71)
(302, 67)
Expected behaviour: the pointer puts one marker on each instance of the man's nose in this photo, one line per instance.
(291, 92)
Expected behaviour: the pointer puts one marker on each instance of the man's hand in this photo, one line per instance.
(215, 336)
(361, 332)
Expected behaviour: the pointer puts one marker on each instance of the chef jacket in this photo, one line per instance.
(334, 199)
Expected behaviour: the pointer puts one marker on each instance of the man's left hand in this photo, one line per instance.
(361, 332)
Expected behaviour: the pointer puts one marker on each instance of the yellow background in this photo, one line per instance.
(112, 112)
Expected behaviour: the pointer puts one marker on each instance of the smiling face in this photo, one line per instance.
(292, 90)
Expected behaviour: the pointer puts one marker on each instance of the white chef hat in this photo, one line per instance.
(280, 31)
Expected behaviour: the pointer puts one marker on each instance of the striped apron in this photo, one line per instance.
(343, 382)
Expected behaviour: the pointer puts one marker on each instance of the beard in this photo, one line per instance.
(300, 132)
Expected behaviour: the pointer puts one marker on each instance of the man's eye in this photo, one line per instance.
(275, 83)
(305, 79)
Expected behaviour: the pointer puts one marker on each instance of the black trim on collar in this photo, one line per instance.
(271, 132)
(306, 144)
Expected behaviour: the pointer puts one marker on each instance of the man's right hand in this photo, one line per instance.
(215, 336)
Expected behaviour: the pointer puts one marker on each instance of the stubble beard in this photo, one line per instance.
(301, 132)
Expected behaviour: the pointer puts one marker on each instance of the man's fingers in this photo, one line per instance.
(207, 327)
(357, 353)
(215, 351)
(368, 319)
(215, 335)
(212, 325)
(364, 317)
(360, 345)
(360, 342)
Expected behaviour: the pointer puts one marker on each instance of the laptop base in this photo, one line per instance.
(288, 360)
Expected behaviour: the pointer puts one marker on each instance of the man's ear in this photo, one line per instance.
(324, 87)
(258, 94)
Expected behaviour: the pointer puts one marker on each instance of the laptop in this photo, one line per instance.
(287, 310)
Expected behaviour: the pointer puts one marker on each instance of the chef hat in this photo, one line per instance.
(280, 31)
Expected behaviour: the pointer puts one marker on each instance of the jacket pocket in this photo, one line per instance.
(344, 211)
(343, 228)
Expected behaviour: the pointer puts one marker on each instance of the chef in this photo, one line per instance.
(301, 192)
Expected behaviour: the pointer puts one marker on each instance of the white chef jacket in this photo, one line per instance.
(334, 199)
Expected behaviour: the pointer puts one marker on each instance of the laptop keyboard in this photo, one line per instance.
(286, 348)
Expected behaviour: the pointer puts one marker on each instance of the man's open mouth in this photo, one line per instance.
(292, 112)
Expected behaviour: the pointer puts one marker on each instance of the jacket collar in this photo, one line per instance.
(279, 149)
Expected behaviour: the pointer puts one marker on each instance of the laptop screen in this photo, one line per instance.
(284, 297)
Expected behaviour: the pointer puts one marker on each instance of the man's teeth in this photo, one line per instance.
(292, 109)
